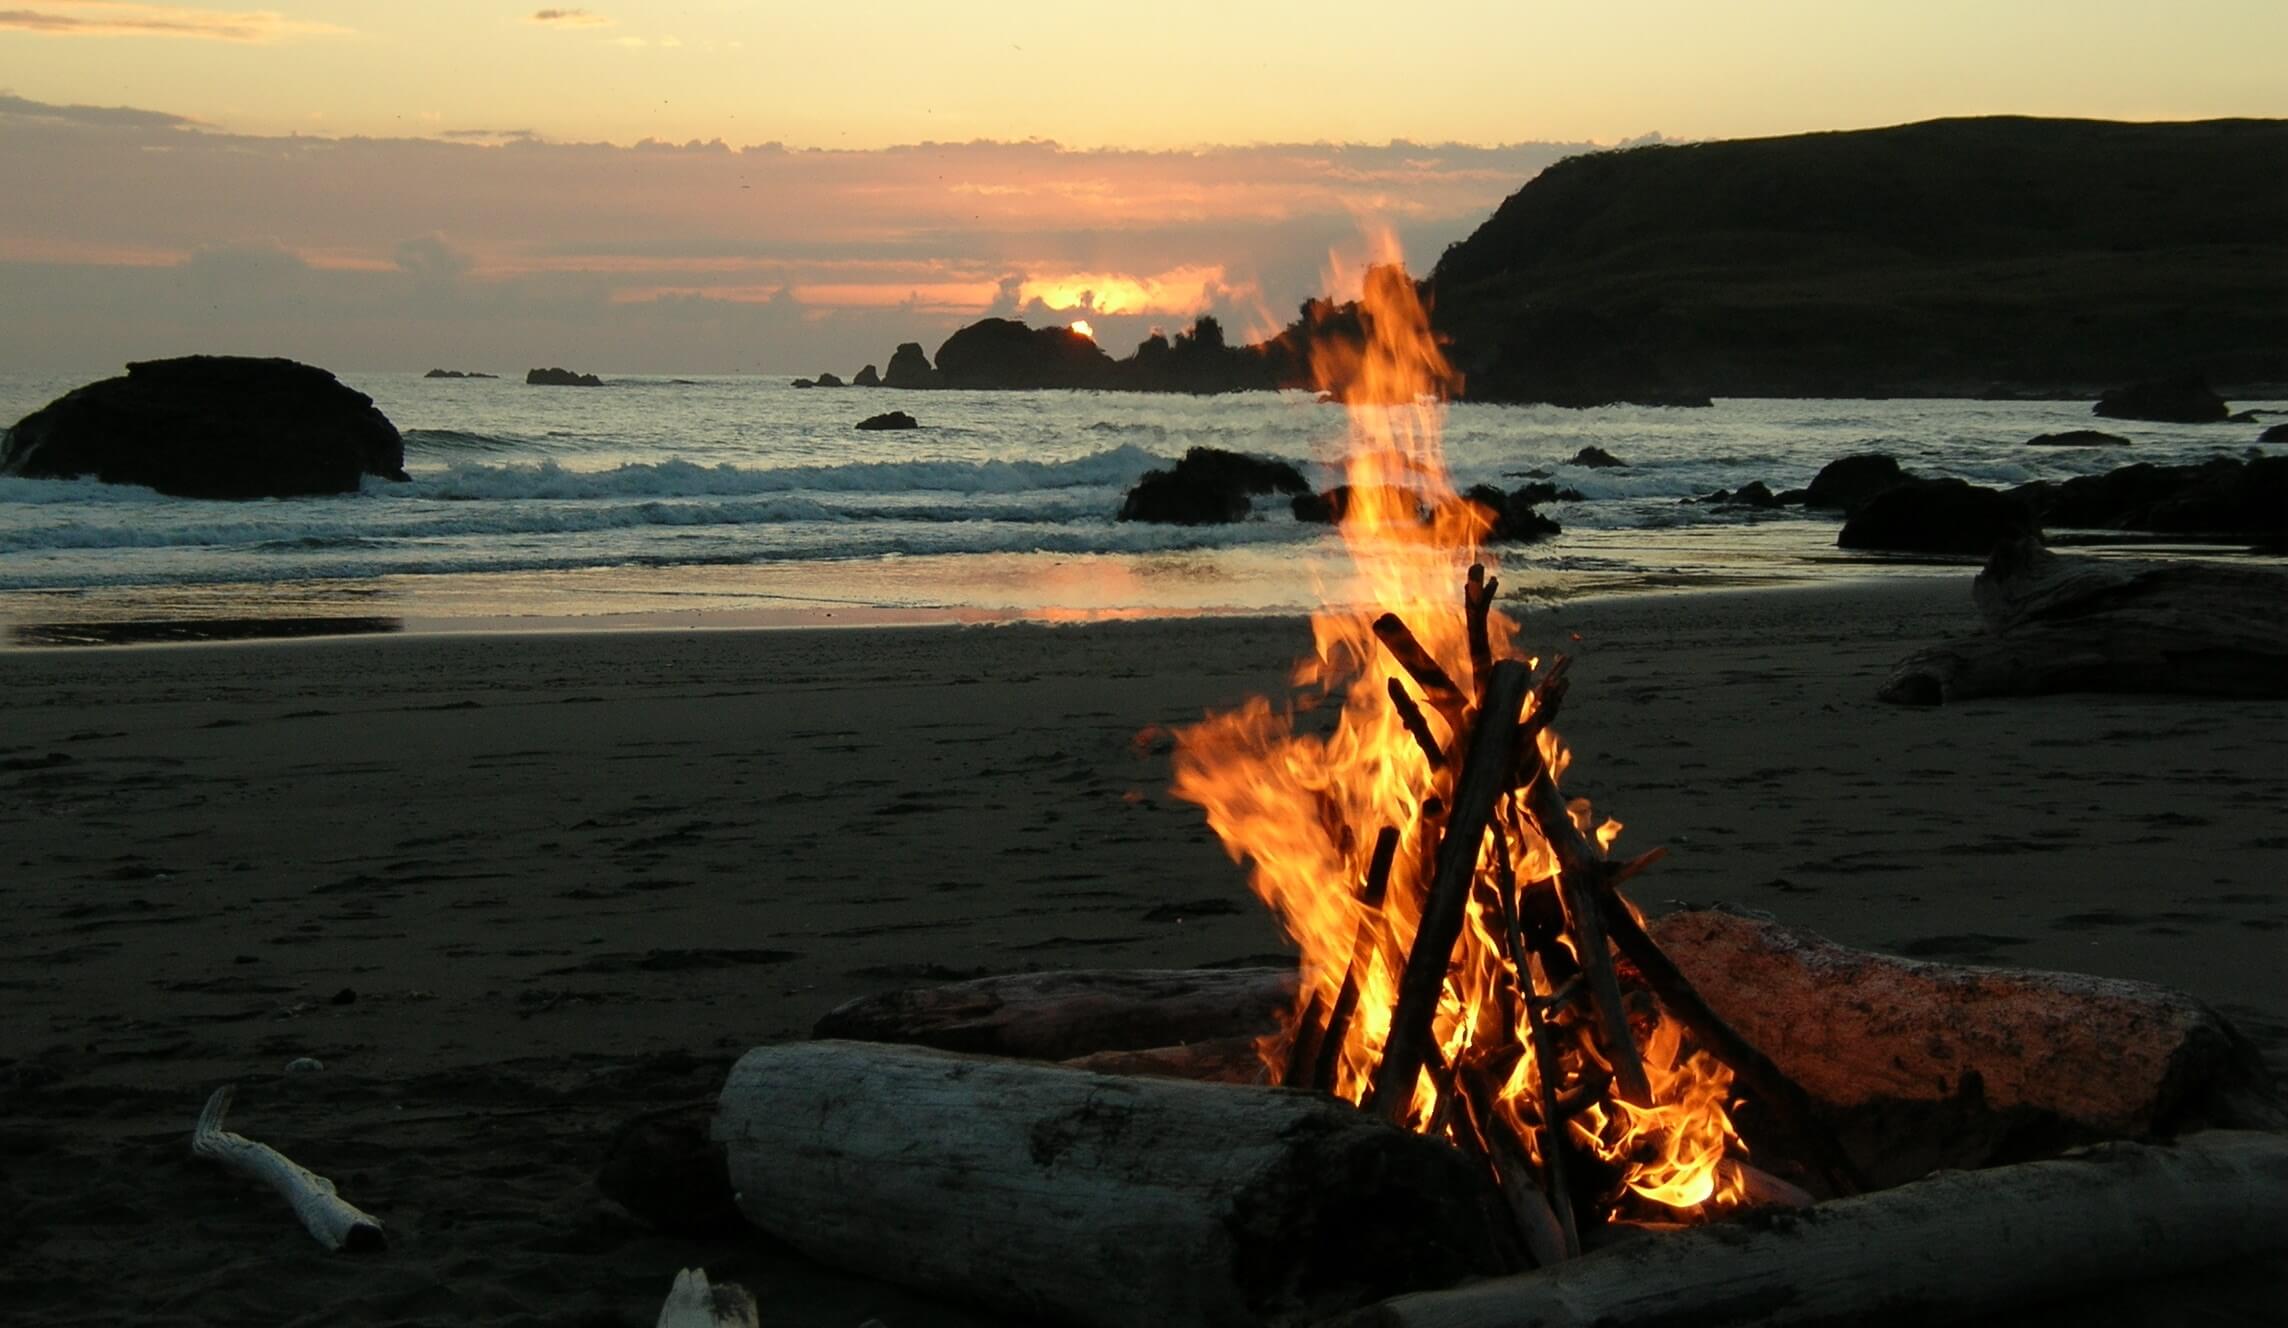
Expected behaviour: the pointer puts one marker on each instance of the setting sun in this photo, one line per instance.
(1081, 326)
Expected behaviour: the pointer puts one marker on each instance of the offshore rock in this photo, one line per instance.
(1938, 516)
(909, 367)
(212, 426)
(1850, 481)
(553, 377)
(2078, 438)
(889, 419)
(1207, 487)
(867, 378)
(1005, 354)
(2177, 399)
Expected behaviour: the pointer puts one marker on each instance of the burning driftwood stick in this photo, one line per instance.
(1095, 1199)
(1955, 1244)
(1330, 1043)
(1484, 778)
(334, 1221)
(1057, 1016)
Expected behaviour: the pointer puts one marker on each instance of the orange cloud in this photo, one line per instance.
(570, 18)
(1178, 292)
(110, 18)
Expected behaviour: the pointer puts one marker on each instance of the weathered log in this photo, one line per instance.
(2084, 624)
(1231, 1060)
(1924, 1065)
(1363, 940)
(334, 1221)
(1057, 1016)
(1951, 1245)
(1094, 1199)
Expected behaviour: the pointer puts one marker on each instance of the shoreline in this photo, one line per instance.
(514, 889)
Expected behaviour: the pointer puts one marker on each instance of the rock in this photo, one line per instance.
(2178, 399)
(304, 1065)
(560, 378)
(1514, 520)
(2078, 438)
(456, 373)
(2224, 496)
(1005, 354)
(2278, 433)
(1541, 491)
(1752, 494)
(1331, 507)
(867, 378)
(211, 426)
(889, 419)
(1595, 458)
(804, 382)
(1792, 497)
(1208, 486)
(828, 380)
(909, 368)
(663, 1169)
(1849, 481)
(1937, 516)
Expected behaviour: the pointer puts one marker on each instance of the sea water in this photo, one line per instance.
(742, 500)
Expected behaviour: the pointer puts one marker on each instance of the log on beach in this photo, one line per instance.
(1058, 1016)
(1926, 1065)
(1956, 1244)
(1097, 1199)
(2101, 625)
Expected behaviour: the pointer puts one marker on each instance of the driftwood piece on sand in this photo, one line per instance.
(1057, 1016)
(336, 1223)
(1977, 1064)
(694, 1302)
(1231, 1060)
(1954, 1244)
(1096, 1199)
(2087, 624)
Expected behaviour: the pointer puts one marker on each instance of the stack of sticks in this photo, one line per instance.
(1560, 936)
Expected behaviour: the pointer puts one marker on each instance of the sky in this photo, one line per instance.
(737, 186)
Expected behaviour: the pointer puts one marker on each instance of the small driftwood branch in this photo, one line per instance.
(1578, 885)
(336, 1223)
(1477, 604)
(1483, 780)
(694, 1302)
(1377, 889)
(1418, 727)
(1956, 1244)
(1399, 640)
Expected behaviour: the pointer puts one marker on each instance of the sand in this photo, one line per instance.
(512, 889)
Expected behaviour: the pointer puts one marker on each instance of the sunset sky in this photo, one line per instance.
(737, 186)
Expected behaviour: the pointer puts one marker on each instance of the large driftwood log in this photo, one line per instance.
(1955, 1244)
(1926, 1065)
(1096, 1199)
(1057, 1016)
(2085, 624)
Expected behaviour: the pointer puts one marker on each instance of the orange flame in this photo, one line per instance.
(1304, 803)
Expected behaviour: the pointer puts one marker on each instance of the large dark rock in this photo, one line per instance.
(1937, 516)
(2225, 497)
(1850, 481)
(212, 426)
(456, 373)
(827, 380)
(909, 368)
(1755, 493)
(2278, 433)
(1208, 486)
(889, 419)
(867, 378)
(1593, 457)
(2078, 438)
(1003, 353)
(553, 377)
(1331, 507)
(1512, 516)
(2178, 399)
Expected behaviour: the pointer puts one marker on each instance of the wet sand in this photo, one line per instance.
(514, 889)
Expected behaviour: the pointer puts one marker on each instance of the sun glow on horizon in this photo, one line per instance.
(1081, 326)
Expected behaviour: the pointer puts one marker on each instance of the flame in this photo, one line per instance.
(1304, 802)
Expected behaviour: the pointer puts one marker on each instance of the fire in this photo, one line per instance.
(1333, 817)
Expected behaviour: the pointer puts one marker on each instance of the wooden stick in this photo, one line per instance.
(336, 1224)
(1477, 603)
(1376, 889)
(1399, 640)
(1411, 716)
(1579, 886)
(1484, 778)
(1303, 1047)
(1547, 1238)
(1763, 1080)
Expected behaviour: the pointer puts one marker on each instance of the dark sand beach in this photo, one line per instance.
(513, 889)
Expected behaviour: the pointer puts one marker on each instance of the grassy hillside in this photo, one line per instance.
(1951, 257)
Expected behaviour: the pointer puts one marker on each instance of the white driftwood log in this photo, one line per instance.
(694, 1302)
(336, 1223)
(1096, 1199)
(1957, 1243)
(2084, 1057)
(1057, 1016)
(2084, 624)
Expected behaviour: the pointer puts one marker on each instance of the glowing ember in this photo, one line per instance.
(1314, 810)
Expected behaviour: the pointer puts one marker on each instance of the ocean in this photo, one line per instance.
(741, 501)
